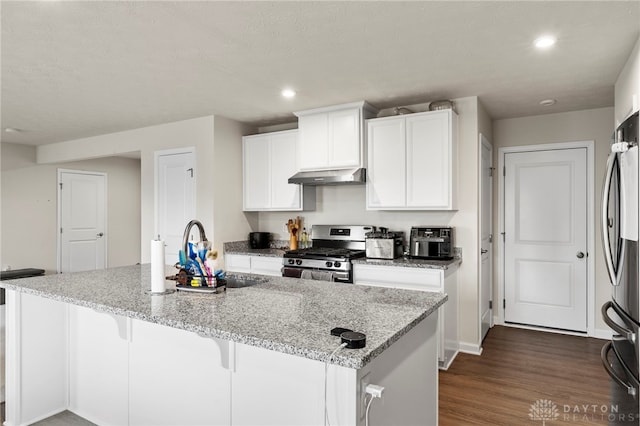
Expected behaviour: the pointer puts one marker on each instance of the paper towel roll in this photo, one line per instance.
(157, 266)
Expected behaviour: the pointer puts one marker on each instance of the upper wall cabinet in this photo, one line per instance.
(412, 162)
(268, 160)
(333, 137)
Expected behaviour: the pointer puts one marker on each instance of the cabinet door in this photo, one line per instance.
(256, 172)
(98, 366)
(344, 138)
(386, 163)
(313, 133)
(284, 195)
(429, 160)
(177, 377)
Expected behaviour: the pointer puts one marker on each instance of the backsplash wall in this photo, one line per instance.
(346, 205)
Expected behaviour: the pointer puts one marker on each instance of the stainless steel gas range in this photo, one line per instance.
(329, 257)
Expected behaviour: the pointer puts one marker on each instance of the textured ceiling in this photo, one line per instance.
(77, 69)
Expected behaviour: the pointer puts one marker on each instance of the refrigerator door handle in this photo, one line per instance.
(604, 226)
(604, 355)
(626, 333)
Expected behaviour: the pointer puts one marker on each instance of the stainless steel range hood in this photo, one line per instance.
(330, 177)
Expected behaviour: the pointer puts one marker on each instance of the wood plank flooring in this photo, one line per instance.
(519, 367)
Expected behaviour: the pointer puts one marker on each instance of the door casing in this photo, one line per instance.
(591, 307)
(484, 142)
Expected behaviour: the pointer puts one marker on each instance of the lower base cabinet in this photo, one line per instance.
(115, 370)
(421, 279)
(150, 374)
(264, 265)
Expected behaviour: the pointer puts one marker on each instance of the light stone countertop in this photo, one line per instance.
(287, 315)
(278, 248)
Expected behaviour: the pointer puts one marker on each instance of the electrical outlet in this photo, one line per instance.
(364, 381)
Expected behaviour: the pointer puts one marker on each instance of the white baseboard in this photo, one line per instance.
(470, 348)
(600, 333)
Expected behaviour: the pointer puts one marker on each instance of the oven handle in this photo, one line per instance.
(604, 213)
(628, 334)
(604, 355)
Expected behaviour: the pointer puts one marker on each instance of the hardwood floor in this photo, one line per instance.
(519, 367)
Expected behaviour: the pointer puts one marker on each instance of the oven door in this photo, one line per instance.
(317, 274)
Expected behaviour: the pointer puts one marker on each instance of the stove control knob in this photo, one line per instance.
(337, 264)
(298, 262)
(329, 264)
(291, 261)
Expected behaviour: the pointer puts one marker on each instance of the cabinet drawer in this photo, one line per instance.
(266, 265)
(399, 277)
(238, 263)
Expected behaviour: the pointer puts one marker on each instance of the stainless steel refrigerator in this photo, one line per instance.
(620, 210)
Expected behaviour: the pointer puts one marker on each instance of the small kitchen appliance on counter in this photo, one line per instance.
(433, 243)
(259, 240)
(330, 254)
(384, 244)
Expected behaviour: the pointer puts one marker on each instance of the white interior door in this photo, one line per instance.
(545, 215)
(486, 236)
(176, 198)
(82, 212)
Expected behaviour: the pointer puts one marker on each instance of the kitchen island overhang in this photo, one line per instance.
(284, 320)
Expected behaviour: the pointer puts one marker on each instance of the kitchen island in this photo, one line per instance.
(96, 343)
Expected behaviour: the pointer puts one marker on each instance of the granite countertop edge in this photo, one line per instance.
(276, 248)
(355, 361)
(411, 263)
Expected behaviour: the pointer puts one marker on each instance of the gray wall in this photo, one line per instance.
(29, 208)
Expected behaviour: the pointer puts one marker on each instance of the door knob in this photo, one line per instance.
(483, 251)
(579, 255)
(100, 234)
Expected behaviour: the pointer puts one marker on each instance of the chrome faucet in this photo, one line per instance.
(187, 230)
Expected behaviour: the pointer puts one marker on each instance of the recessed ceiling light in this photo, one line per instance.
(548, 102)
(544, 42)
(288, 93)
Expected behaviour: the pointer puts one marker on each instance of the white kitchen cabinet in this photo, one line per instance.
(177, 377)
(269, 160)
(421, 279)
(98, 365)
(333, 137)
(412, 162)
(264, 265)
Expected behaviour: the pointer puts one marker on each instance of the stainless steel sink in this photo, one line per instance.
(240, 282)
